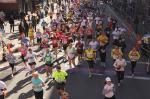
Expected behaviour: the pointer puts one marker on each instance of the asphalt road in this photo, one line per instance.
(79, 86)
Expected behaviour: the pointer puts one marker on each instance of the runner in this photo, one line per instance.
(55, 45)
(116, 52)
(94, 44)
(3, 90)
(31, 35)
(79, 46)
(37, 85)
(65, 42)
(48, 59)
(109, 90)
(38, 37)
(103, 39)
(90, 55)
(65, 95)
(60, 77)
(23, 49)
(11, 60)
(119, 65)
(134, 56)
(71, 52)
(89, 33)
(31, 59)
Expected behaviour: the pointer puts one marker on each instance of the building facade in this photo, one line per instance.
(135, 11)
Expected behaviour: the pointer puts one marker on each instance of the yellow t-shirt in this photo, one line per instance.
(59, 76)
(116, 52)
(134, 55)
(31, 32)
(90, 54)
(103, 39)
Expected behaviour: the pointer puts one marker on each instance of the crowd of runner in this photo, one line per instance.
(79, 31)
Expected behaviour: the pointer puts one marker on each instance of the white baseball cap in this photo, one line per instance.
(108, 79)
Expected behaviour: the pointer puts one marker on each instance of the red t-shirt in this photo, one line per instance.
(89, 31)
(79, 45)
(54, 42)
(64, 39)
(81, 31)
(59, 34)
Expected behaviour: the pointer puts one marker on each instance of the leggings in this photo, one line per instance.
(133, 65)
(120, 75)
(12, 66)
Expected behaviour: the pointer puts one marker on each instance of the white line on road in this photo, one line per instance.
(128, 77)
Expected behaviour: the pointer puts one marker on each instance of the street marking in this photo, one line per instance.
(137, 77)
(128, 77)
(140, 62)
(97, 74)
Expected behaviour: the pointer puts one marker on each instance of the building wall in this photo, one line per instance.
(133, 9)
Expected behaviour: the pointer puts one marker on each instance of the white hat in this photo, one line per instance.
(108, 79)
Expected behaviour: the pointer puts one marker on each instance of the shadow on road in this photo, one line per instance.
(26, 95)
(4, 68)
(20, 85)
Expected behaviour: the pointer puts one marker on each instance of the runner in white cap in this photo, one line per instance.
(108, 90)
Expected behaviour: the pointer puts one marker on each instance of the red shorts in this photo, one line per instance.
(55, 45)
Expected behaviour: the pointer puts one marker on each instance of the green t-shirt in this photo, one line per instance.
(48, 58)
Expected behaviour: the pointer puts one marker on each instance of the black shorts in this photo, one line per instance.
(23, 58)
(65, 46)
(60, 86)
(12, 65)
(80, 51)
(49, 65)
(33, 63)
(39, 40)
(90, 63)
(89, 36)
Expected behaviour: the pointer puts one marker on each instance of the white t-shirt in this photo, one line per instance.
(97, 20)
(116, 34)
(93, 44)
(108, 90)
(31, 57)
(2, 86)
(83, 23)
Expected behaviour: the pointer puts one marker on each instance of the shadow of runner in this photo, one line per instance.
(19, 85)
(4, 68)
(26, 95)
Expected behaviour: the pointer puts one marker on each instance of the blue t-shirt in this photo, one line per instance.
(37, 83)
